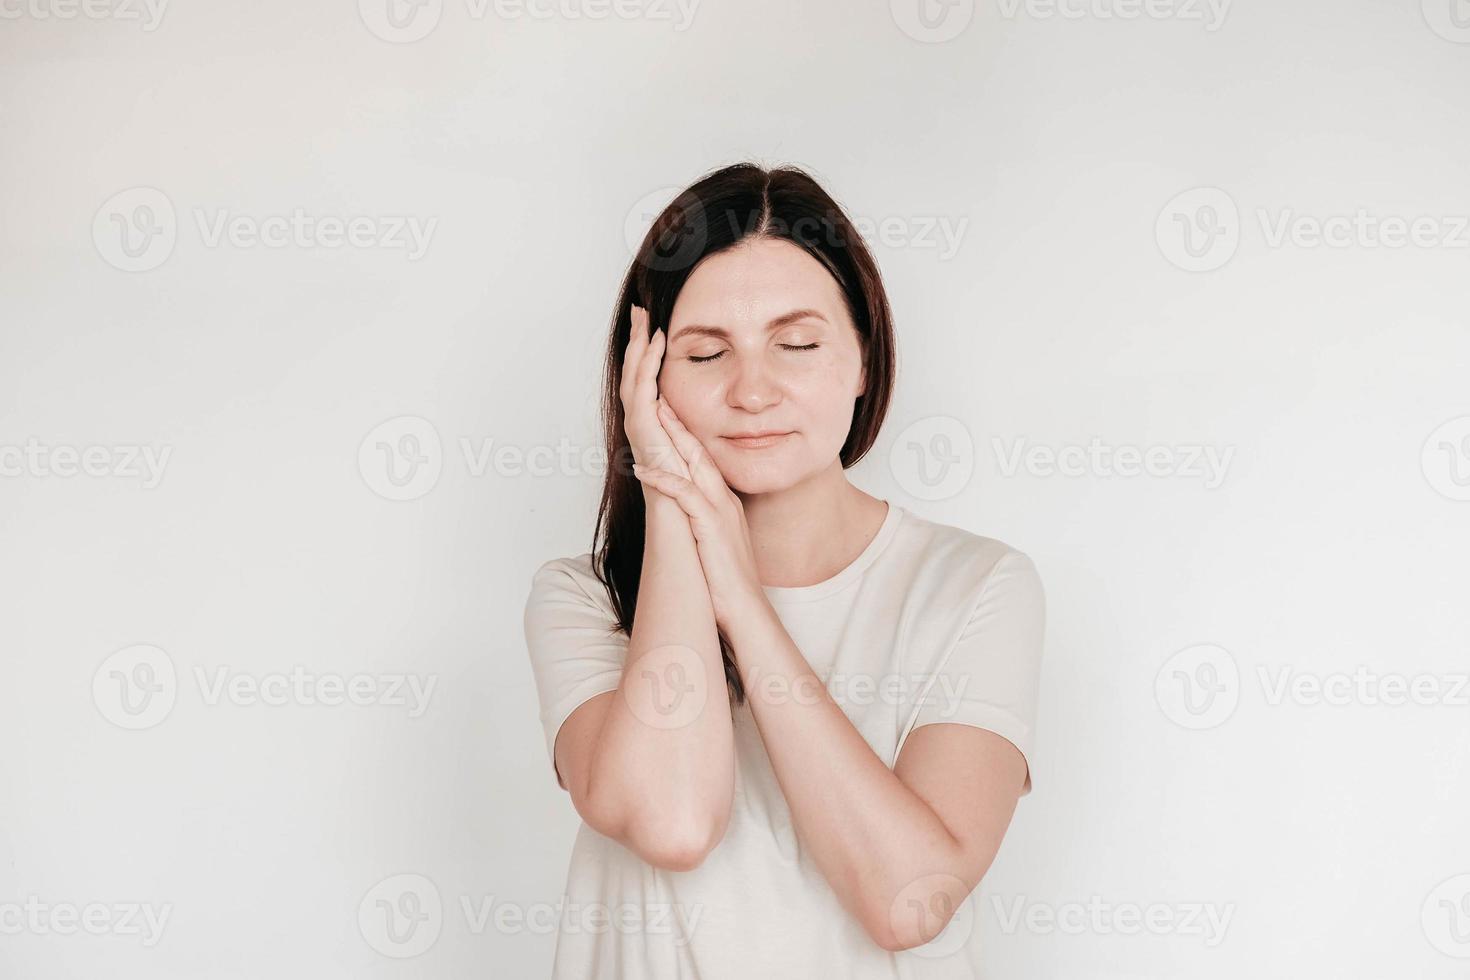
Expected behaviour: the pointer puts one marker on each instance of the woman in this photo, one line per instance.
(794, 718)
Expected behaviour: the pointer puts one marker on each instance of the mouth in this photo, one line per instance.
(757, 441)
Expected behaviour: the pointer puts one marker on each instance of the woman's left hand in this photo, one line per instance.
(716, 516)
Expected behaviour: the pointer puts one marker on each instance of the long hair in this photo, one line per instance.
(721, 209)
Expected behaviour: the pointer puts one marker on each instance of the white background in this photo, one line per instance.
(530, 148)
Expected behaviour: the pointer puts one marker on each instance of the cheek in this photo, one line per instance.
(696, 402)
(826, 388)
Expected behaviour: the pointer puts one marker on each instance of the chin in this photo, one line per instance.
(752, 477)
(757, 483)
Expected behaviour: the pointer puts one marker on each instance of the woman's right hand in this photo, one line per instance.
(639, 391)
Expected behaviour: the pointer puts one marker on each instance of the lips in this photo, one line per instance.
(757, 440)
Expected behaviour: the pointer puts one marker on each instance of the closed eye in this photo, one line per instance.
(715, 357)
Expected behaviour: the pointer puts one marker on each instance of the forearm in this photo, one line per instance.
(874, 840)
(664, 768)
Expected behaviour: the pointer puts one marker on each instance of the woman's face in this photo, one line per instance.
(760, 341)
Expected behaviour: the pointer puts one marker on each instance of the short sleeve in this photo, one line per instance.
(576, 648)
(992, 676)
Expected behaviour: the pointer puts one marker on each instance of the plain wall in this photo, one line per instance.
(1129, 203)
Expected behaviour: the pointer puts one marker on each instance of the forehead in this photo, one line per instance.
(754, 281)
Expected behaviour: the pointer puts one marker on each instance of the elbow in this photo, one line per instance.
(679, 845)
(660, 836)
(673, 837)
(887, 939)
(896, 937)
(919, 913)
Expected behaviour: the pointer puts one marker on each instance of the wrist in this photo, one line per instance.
(751, 611)
(665, 521)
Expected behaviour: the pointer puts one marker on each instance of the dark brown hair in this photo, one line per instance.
(727, 206)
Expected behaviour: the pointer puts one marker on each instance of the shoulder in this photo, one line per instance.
(572, 578)
(955, 553)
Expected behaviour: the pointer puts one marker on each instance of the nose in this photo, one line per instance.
(752, 388)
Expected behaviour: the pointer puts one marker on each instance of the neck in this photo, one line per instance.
(809, 532)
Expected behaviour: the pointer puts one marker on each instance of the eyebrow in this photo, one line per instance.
(699, 329)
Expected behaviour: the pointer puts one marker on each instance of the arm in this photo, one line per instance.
(652, 764)
(902, 848)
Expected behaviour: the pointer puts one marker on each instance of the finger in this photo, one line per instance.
(648, 366)
(693, 502)
(633, 353)
(702, 469)
(666, 457)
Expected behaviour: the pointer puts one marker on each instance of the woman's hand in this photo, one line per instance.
(716, 516)
(642, 359)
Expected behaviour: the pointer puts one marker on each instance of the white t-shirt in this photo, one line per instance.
(931, 623)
